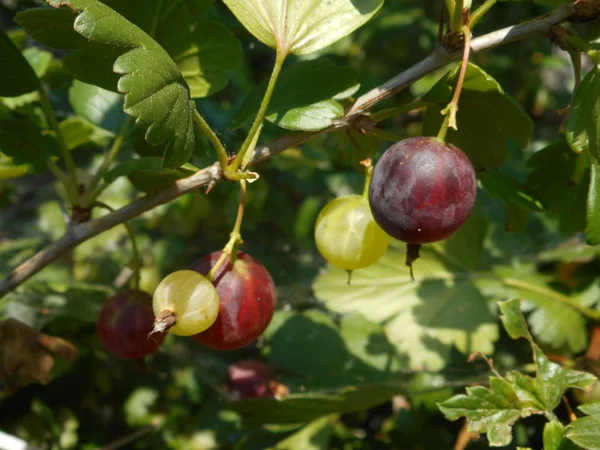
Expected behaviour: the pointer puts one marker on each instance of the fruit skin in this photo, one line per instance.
(422, 190)
(125, 322)
(248, 296)
(250, 378)
(347, 235)
(191, 300)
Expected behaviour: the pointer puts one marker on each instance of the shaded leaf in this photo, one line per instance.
(300, 26)
(509, 191)
(560, 179)
(583, 123)
(304, 97)
(24, 142)
(155, 91)
(487, 117)
(16, 77)
(147, 173)
(423, 319)
(301, 408)
(466, 245)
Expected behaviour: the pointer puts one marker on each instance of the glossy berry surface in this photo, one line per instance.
(347, 235)
(422, 190)
(124, 324)
(191, 298)
(247, 294)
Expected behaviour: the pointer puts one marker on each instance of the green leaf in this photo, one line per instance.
(304, 97)
(16, 77)
(138, 407)
(553, 436)
(592, 229)
(301, 408)
(347, 354)
(42, 302)
(23, 141)
(466, 245)
(300, 26)
(513, 320)
(76, 131)
(424, 319)
(147, 174)
(101, 107)
(509, 191)
(552, 321)
(205, 57)
(560, 179)
(493, 411)
(155, 91)
(487, 117)
(583, 123)
(585, 431)
(314, 436)
(39, 60)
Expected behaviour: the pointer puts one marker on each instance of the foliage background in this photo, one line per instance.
(345, 353)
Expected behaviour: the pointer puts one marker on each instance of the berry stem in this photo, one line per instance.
(480, 12)
(70, 182)
(252, 138)
(369, 165)
(231, 248)
(96, 187)
(213, 138)
(412, 254)
(137, 261)
(452, 108)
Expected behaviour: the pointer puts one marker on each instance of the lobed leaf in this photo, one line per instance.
(585, 431)
(155, 91)
(513, 320)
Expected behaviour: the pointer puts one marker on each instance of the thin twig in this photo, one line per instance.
(211, 174)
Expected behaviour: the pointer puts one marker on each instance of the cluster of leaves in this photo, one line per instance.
(381, 340)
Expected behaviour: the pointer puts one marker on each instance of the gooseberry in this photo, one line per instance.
(422, 191)
(247, 295)
(185, 303)
(250, 378)
(124, 324)
(347, 235)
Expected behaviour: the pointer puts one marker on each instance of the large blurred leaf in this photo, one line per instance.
(155, 91)
(583, 123)
(302, 26)
(314, 436)
(299, 408)
(592, 228)
(101, 107)
(423, 319)
(560, 178)
(40, 303)
(304, 97)
(16, 77)
(330, 355)
(487, 117)
(23, 141)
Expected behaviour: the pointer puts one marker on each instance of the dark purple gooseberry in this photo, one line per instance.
(422, 191)
(125, 323)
